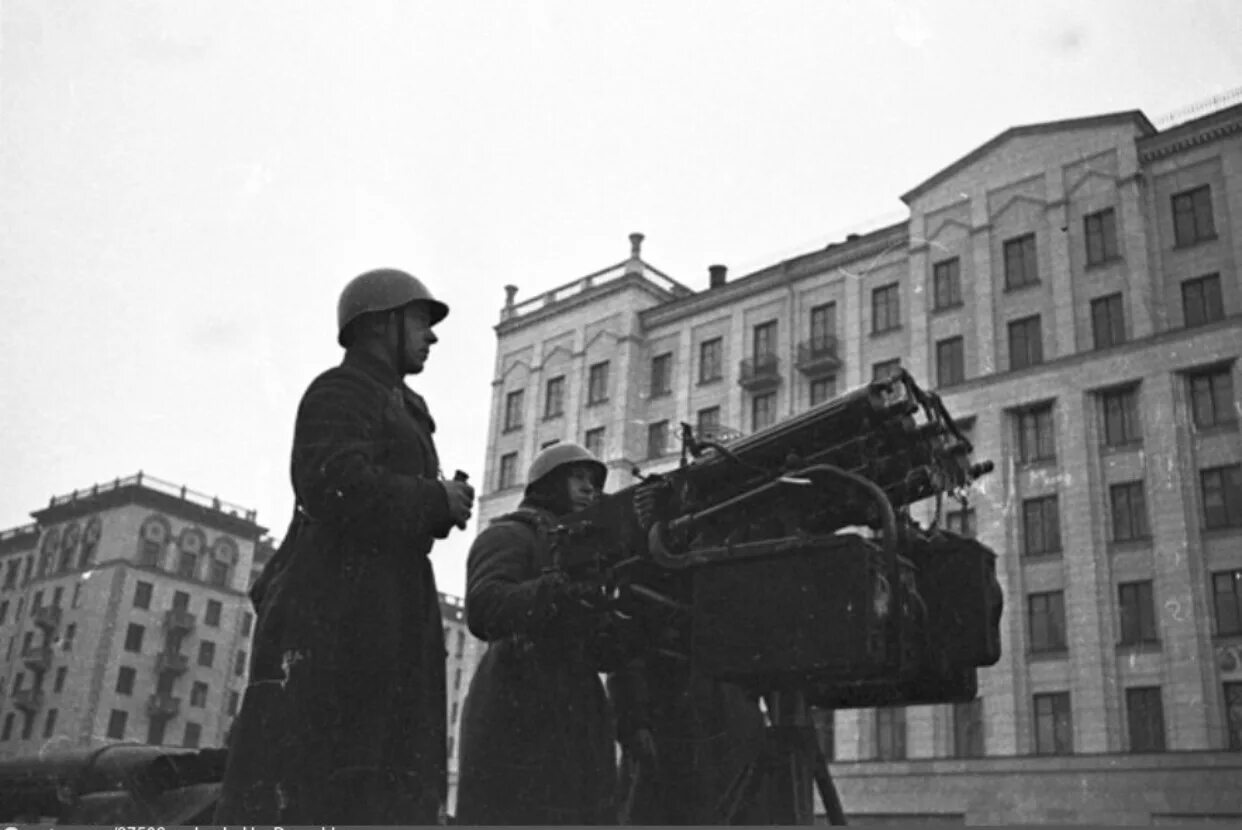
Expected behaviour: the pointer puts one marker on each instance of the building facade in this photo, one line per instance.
(124, 616)
(1071, 290)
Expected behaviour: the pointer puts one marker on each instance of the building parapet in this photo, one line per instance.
(141, 479)
(592, 284)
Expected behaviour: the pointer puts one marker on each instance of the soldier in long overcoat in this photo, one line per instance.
(344, 718)
(537, 735)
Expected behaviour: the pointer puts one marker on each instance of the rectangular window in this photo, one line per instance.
(234, 704)
(187, 565)
(1121, 418)
(77, 595)
(1108, 322)
(514, 404)
(962, 522)
(508, 471)
(198, 694)
(155, 731)
(1233, 714)
(1211, 397)
(946, 284)
(824, 329)
(1192, 216)
(211, 616)
(662, 375)
(49, 724)
(4, 612)
(1054, 726)
(968, 729)
(885, 308)
(890, 733)
(823, 389)
(206, 653)
(1021, 268)
(1145, 717)
(1041, 529)
(594, 442)
(708, 426)
(1129, 511)
(142, 595)
(125, 680)
(1201, 301)
(1036, 435)
(1138, 613)
(8, 727)
(133, 637)
(711, 359)
(193, 732)
(950, 361)
(1047, 622)
(60, 679)
(554, 397)
(247, 620)
(597, 383)
(763, 411)
(657, 439)
(1227, 601)
(181, 601)
(66, 642)
(1026, 343)
(239, 663)
(885, 368)
(116, 724)
(1100, 230)
(764, 343)
(1222, 496)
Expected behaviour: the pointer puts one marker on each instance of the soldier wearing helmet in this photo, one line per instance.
(344, 718)
(537, 735)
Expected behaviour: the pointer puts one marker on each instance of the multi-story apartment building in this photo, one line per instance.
(124, 617)
(1072, 290)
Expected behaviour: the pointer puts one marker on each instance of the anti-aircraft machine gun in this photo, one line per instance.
(787, 562)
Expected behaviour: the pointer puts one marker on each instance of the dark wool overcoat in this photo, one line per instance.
(706, 734)
(344, 718)
(537, 736)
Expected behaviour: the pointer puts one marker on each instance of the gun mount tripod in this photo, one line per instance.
(780, 780)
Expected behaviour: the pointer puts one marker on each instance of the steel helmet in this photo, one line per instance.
(384, 289)
(558, 455)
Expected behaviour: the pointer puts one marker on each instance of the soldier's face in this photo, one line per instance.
(418, 338)
(582, 490)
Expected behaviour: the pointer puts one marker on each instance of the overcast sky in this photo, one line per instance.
(186, 186)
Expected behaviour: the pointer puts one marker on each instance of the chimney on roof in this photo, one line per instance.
(717, 275)
(851, 237)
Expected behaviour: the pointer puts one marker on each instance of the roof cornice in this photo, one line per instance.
(800, 267)
(1183, 137)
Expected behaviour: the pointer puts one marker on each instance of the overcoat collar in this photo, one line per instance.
(384, 374)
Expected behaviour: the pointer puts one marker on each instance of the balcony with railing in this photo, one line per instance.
(38, 658)
(28, 700)
(818, 356)
(171, 662)
(760, 372)
(178, 619)
(162, 705)
(47, 617)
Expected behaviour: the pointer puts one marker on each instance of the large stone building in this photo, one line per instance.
(124, 617)
(1072, 291)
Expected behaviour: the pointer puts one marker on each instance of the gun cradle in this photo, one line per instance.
(740, 552)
